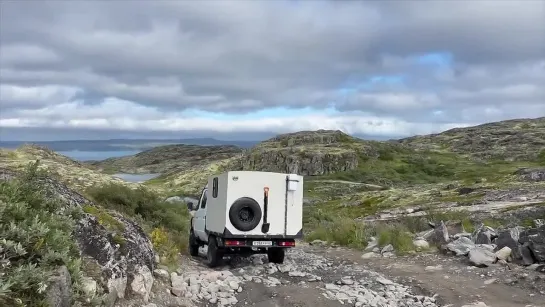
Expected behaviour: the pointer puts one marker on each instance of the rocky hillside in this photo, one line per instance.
(169, 158)
(75, 174)
(511, 140)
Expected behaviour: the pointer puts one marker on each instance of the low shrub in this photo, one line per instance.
(35, 234)
(167, 223)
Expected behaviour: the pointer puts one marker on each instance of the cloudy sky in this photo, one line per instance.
(243, 69)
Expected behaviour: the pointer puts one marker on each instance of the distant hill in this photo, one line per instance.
(168, 158)
(123, 144)
(513, 140)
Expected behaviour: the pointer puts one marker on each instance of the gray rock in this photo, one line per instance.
(535, 239)
(539, 222)
(387, 249)
(441, 234)
(421, 244)
(529, 174)
(485, 235)
(481, 257)
(89, 287)
(510, 238)
(142, 282)
(461, 246)
(59, 291)
(504, 253)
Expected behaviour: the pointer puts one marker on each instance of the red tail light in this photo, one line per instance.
(234, 243)
(286, 243)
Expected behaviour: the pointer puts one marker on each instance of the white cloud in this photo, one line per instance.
(137, 65)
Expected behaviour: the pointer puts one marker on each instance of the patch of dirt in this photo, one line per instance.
(453, 280)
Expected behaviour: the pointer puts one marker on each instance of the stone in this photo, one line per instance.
(535, 239)
(477, 304)
(481, 257)
(484, 235)
(421, 244)
(161, 274)
(504, 253)
(461, 246)
(387, 249)
(441, 234)
(88, 286)
(59, 291)
(371, 244)
(369, 255)
(510, 238)
(142, 282)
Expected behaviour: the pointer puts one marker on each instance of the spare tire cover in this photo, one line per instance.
(245, 214)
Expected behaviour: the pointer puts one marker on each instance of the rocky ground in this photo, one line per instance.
(333, 276)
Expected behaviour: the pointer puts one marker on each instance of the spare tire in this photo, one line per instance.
(245, 214)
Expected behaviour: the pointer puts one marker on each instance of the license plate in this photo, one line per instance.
(262, 243)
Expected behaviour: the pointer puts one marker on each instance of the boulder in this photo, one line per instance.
(504, 253)
(484, 235)
(461, 246)
(510, 238)
(481, 257)
(534, 238)
(531, 174)
(59, 291)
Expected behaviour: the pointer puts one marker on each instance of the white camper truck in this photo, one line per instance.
(247, 212)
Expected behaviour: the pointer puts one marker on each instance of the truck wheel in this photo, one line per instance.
(276, 255)
(193, 244)
(245, 214)
(214, 255)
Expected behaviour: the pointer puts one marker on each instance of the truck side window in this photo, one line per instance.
(215, 187)
(204, 199)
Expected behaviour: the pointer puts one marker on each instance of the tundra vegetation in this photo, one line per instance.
(354, 190)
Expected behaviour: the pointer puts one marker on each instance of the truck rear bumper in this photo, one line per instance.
(228, 235)
(253, 246)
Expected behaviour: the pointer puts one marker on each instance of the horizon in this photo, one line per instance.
(375, 70)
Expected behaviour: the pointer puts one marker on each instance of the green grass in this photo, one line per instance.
(398, 167)
(35, 232)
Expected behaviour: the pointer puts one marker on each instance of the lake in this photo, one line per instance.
(101, 155)
(96, 155)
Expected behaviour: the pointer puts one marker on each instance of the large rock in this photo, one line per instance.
(120, 255)
(528, 174)
(461, 246)
(122, 258)
(510, 238)
(481, 257)
(484, 235)
(534, 239)
(59, 291)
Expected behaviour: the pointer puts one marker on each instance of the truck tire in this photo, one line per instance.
(276, 255)
(193, 244)
(214, 255)
(245, 214)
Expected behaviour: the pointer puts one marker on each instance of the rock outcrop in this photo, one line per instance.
(518, 139)
(307, 153)
(107, 239)
(531, 174)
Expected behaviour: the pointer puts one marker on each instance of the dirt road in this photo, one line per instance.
(322, 276)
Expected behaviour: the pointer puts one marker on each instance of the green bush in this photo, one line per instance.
(541, 157)
(162, 218)
(35, 234)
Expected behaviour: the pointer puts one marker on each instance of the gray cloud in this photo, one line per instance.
(158, 58)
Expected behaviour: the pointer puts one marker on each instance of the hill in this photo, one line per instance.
(168, 158)
(121, 144)
(110, 235)
(73, 173)
(511, 140)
